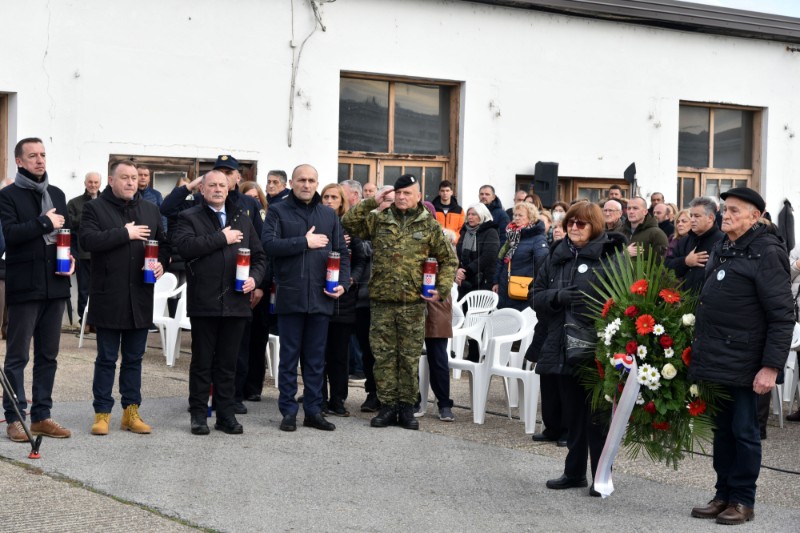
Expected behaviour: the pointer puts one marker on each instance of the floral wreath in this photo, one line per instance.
(644, 316)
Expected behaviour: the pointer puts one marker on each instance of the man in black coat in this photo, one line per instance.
(298, 234)
(209, 237)
(691, 254)
(114, 230)
(745, 319)
(31, 210)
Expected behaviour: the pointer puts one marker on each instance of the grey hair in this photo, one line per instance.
(483, 212)
(354, 186)
(708, 205)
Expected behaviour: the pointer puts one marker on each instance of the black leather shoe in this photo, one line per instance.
(289, 423)
(318, 421)
(372, 404)
(253, 398)
(239, 408)
(199, 426)
(406, 418)
(735, 514)
(386, 417)
(593, 492)
(711, 510)
(565, 482)
(794, 417)
(338, 410)
(562, 443)
(543, 437)
(229, 425)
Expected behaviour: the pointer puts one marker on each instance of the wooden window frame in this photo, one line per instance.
(376, 160)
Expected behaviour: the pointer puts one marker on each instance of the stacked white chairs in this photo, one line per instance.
(501, 328)
(83, 323)
(787, 391)
(170, 327)
(525, 379)
(517, 358)
(273, 356)
(480, 304)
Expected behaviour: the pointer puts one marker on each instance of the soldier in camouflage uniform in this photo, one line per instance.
(403, 235)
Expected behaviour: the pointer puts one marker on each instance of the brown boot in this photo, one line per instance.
(16, 432)
(714, 508)
(100, 426)
(132, 422)
(735, 514)
(50, 428)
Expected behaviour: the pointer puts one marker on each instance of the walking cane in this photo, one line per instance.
(9, 390)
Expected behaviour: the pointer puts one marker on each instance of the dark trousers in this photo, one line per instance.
(367, 357)
(337, 352)
(303, 338)
(215, 345)
(586, 435)
(242, 362)
(40, 321)
(737, 447)
(83, 273)
(109, 341)
(259, 338)
(436, 353)
(555, 424)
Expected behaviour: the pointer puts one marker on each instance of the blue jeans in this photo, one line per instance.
(737, 447)
(303, 338)
(133, 342)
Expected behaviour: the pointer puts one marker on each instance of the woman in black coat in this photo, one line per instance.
(558, 299)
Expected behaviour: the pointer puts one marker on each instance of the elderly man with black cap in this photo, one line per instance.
(744, 326)
(403, 234)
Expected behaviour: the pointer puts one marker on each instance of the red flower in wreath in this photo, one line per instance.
(639, 287)
(665, 341)
(631, 311)
(687, 356)
(607, 307)
(600, 368)
(670, 296)
(697, 407)
(661, 426)
(650, 407)
(631, 347)
(645, 324)
(620, 387)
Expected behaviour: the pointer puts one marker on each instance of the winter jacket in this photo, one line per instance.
(153, 196)
(120, 299)
(75, 208)
(500, 217)
(281, 196)
(30, 263)
(344, 307)
(693, 277)
(299, 271)
(401, 242)
(211, 261)
(647, 234)
(564, 268)
(455, 216)
(480, 265)
(745, 314)
(531, 253)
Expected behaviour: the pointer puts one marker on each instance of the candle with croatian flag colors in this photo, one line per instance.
(273, 289)
(429, 276)
(242, 268)
(332, 274)
(63, 241)
(150, 260)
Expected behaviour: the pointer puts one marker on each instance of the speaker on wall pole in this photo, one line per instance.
(545, 182)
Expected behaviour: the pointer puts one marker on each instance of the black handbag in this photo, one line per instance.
(579, 343)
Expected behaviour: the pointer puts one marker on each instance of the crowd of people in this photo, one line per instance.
(347, 269)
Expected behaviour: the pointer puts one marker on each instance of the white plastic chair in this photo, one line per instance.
(471, 328)
(273, 356)
(499, 356)
(171, 326)
(83, 322)
(162, 291)
(517, 358)
(501, 325)
(479, 302)
(424, 369)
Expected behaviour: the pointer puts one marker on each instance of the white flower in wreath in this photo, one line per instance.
(643, 377)
(640, 399)
(609, 399)
(669, 352)
(641, 351)
(688, 319)
(653, 375)
(658, 329)
(694, 390)
(654, 386)
(668, 371)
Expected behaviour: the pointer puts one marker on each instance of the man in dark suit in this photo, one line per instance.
(208, 236)
(692, 251)
(114, 229)
(298, 234)
(31, 210)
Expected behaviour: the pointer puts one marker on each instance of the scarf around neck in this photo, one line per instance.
(470, 238)
(513, 236)
(24, 180)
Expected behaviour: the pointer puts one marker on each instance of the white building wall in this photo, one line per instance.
(198, 78)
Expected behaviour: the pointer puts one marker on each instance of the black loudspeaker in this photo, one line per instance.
(630, 173)
(545, 182)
